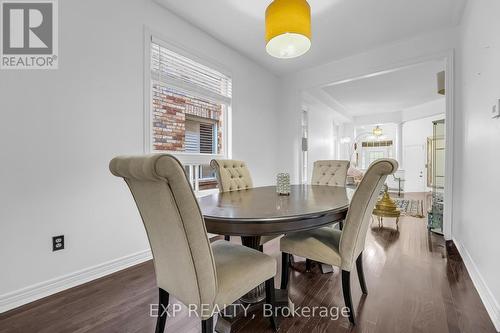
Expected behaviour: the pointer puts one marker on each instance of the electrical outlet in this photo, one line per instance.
(57, 243)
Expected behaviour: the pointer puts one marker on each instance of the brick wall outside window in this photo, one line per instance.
(169, 116)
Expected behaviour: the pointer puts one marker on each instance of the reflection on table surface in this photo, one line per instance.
(264, 202)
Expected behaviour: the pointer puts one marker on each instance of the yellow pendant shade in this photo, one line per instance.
(288, 28)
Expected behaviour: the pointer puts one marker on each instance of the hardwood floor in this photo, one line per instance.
(413, 286)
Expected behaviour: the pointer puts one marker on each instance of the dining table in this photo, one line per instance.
(260, 211)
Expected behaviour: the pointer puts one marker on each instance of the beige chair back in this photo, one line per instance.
(232, 175)
(330, 172)
(182, 254)
(352, 241)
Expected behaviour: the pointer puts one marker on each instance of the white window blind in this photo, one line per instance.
(185, 74)
(207, 135)
(192, 137)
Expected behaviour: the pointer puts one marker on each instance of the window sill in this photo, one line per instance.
(190, 158)
(204, 193)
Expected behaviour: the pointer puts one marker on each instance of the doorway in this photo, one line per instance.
(414, 158)
(384, 110)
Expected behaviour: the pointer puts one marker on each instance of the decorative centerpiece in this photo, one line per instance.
(283, 184)
(386, 207)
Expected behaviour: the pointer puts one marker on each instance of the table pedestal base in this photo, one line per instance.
(258, 294)
(233, 314)
(255, 296)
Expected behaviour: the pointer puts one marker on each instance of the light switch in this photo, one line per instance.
(495, 111)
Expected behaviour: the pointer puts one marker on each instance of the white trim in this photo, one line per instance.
(191, 158)
(204, 193)
(43, 289)
(489, 301)
(147, 90)
(449, 144)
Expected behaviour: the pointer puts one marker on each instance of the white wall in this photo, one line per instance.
(429, 109)
(59, 129)
(477, 189)
(402, 53)
(415, 134)
(420, 111)
(321, 141)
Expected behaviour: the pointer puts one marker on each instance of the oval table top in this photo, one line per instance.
(261, 211)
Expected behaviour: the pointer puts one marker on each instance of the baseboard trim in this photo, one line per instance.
(37, 291)
(485, 293)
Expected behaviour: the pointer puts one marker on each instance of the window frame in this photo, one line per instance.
(184, 157)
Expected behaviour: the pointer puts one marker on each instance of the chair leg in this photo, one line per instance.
(207, 325)
(346, 289)
(361, 274)
(284, 269)
(309, 264)
(162, 316)
(227, 238)
(271, 300)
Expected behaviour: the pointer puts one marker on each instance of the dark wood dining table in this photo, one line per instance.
(261, 211)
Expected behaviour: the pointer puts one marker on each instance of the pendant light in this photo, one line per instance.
(288, 28)
(377, 131)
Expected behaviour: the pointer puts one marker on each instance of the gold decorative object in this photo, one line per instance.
(386, 207)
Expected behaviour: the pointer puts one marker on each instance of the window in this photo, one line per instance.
(374, 150)
(374, 155)
(386, 143)
(188, 111)
(189, 104)
(201, 177)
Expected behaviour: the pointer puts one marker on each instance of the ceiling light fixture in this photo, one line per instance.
(288, 28)
(377, 131)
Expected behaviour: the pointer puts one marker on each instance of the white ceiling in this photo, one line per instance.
(389, 92)
(340, 27)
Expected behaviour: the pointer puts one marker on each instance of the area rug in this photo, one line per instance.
(414, 208)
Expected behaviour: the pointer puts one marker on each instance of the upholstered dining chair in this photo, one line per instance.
(199, 274)
(330, 172)
(342, 248)
(234, 175)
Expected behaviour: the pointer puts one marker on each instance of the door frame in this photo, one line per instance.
(449, 58)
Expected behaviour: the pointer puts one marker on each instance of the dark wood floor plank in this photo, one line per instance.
(413, 286)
